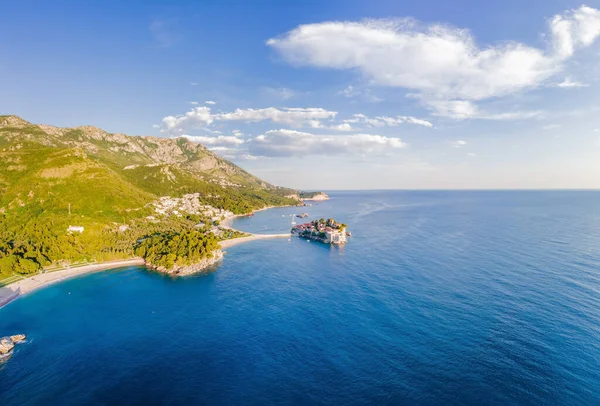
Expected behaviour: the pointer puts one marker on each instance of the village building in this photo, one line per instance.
(75, 229)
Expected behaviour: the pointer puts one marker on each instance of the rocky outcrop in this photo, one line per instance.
(8, 343)
(19, 338)
(13, 121)
(189, 269)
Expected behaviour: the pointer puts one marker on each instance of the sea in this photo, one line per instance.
(438, 298)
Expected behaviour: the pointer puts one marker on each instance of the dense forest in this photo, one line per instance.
(181, 249)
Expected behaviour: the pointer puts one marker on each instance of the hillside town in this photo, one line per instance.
(188, 204)
(325, 231)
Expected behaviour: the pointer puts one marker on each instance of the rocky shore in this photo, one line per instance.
(188, 269)
(7, 344)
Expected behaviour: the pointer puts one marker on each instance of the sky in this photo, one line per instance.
(315, 95)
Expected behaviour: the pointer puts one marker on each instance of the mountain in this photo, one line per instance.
(52, 178)
(46, 157)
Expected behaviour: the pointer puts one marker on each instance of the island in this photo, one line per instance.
(325, 231)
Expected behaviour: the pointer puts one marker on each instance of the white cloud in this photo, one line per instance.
(568, 83)
(444, 65)
(352, 92)
(472, 154)
(456, 109)
(384, 121)
(511, 115)
(342, 127)
(194, 103)
(459, 143)
(291, 142)
(208, 130)
(201, 116)
(349, 92)
(221, 140)
(210, 102)
(193, 84)
(296, 117)
(237, 133)
(574, 29)
(462, 110)
(194, 118)
(249, 157)
(282, 93)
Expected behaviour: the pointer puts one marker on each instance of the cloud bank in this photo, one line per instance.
(444, 66)
(295, 117)
(285, 143)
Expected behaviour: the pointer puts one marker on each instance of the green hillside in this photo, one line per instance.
(52, 178)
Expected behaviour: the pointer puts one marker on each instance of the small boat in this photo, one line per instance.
(348, 233)
(303, 215)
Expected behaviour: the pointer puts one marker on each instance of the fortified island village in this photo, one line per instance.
(325, 231)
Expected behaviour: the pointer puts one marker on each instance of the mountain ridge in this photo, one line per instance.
(138, 149)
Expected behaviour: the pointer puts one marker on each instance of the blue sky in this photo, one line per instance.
(326, 95)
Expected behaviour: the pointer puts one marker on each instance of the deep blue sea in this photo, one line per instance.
(453, 298)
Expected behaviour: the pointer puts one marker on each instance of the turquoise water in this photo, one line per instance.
(438, 298)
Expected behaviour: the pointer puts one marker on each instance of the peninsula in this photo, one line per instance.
(314, 196)
(82, 195)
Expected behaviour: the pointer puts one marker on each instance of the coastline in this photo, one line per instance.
(21, 288)
(25, 286)
(227, 223)
(252, 237)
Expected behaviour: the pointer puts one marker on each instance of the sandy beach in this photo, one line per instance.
(14, 290)
(252, 237)
(227, 223)
(24, 286)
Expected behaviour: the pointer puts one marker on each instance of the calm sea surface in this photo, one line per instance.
(466, 298)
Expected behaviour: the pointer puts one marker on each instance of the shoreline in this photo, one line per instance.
(28, 285)
(227, 223)
(25, 286)
(252, 237)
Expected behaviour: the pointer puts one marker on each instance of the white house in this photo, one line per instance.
(335, 237)
(75, 229)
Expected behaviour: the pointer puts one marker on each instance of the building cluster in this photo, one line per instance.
(188, 204)
(224, 182)
(328, 232)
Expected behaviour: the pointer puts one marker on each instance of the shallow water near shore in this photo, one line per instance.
(438, 298)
